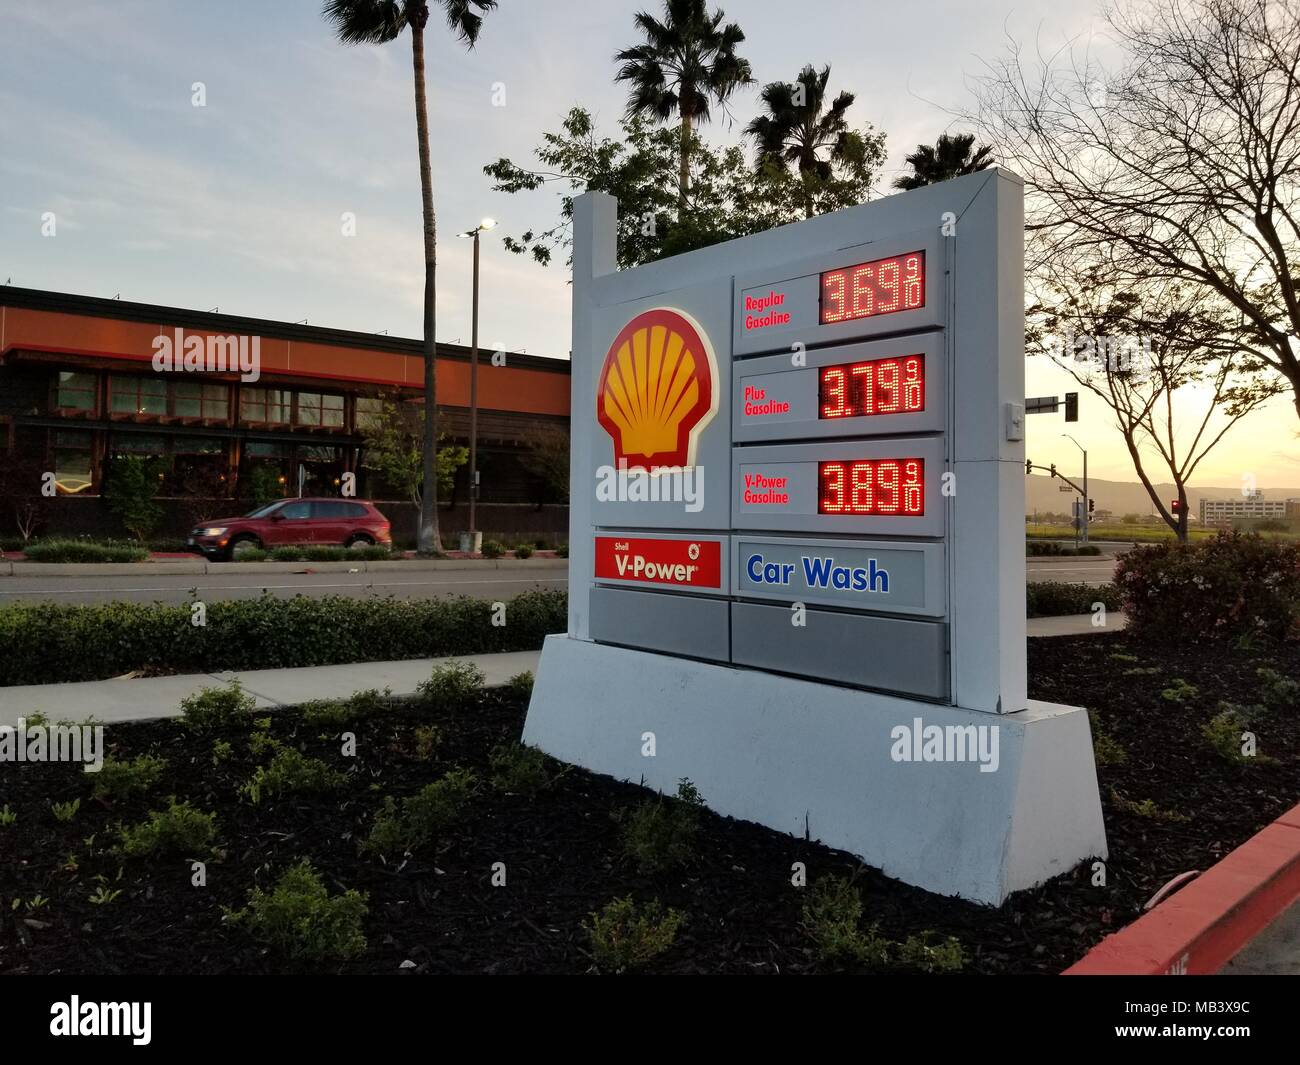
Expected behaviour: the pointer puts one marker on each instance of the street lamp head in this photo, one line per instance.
(488, 223)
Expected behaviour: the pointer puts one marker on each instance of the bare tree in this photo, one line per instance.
(1180, 165)
(1168, 363)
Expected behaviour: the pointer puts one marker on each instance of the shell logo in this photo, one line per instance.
(658, 389)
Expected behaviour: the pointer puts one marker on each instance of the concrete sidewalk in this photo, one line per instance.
(194, 565)
(1076, 625)
(146, 698)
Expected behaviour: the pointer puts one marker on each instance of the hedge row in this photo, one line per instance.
(46, 643)
(1050, 599)
(1233, 586)
(83, 551)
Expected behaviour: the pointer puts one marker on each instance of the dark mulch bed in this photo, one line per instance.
(562, 847)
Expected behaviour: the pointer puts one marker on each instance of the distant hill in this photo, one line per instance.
(1127, 497)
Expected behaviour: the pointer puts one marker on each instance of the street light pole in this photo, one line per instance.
(486, 224)
(1083, 518)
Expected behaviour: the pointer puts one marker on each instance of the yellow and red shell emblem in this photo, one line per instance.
(657, 390)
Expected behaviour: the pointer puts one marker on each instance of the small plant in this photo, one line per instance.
(1142, 671)
(8, 817)
(493, 549)
(119, 780)
(428, 738)
(623, 939)
(35, 904)
(262, 724)
(1179, 691)
(1146, 808)
(291, 772)
(215, 709)
(1106, 750)
(523, 550)
(301, 920)
(921, 952)
(421, 817)
(832, 918)
(452, 684)
(103, 895)
(1118, 657)
(518, 769)
(65, 811)
(1278, 692)
(260, 744)
(562, 551)
(221, 750)
(660, 833)
(520, 686)
(334, 714)
(180, 829)
(1224, 733)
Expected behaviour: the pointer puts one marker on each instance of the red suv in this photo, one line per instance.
(349, 522)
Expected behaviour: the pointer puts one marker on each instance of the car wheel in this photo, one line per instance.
(357, 542)
(241, 546)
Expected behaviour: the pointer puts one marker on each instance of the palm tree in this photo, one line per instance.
(950, 157)
(797, 129)
(688, 62)
(378, 22)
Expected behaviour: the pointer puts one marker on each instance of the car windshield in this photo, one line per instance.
(262, 512)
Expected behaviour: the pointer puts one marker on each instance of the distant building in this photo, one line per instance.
(1226, 511)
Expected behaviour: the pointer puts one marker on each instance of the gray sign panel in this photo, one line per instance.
(888, 577)
(773, 399)
(675, 624)
(781, 309)
(871, 652)
(779, 487)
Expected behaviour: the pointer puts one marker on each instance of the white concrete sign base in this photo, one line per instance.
(1011, 802)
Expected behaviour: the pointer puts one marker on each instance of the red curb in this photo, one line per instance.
(1199, 929)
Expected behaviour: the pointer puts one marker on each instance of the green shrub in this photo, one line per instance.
(260, 744)
(420, 818)
(47, 642)
(286, 553)
(301, 920)
(623, 938)
(428, 738)
(452, 684)
(253, 554)
(1106, 750)
(117, 779)
(1044, 547)
(221, 750)
(335, 713)
(660, 833)
(1145, 808)
(493, 549)
(1278, 692)
(562, 551)
(1048, 599)
(520, 686)
(1179, 691)
(1232, 586)
(1223, 732)
(327, 553)
(922, 952)
(8, 817)
(131, 484)
(65, 811)
(291, 772)
(832, 918)
(1088, 549)
(82, 551)
(180, 829)
(216, 709)
(518, 769)
(523, 550)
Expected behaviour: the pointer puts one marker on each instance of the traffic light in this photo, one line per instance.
(1072, 406)
(1053, 469)
(1175, 507)
(1091, 506)
(1029, 467)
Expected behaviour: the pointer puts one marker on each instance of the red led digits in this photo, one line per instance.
(885, 487)
(880, 386)
(882, 286)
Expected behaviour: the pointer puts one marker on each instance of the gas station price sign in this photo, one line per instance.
(877, 386)
(882, 286)
(890, 487)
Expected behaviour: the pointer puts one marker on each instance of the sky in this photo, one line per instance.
(238, 204)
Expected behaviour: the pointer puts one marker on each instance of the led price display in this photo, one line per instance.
(880, 386)
(872, 486)
(881, 286)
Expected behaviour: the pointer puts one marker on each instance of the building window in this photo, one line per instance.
(72, 462)
(322, 470)
(315, 408)
(136, 444)
(137, 395)
(370, 410)
(76, 391)
(266, 406)
(199, 399)
(199, 466)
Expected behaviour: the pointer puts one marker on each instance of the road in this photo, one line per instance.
(418, 584)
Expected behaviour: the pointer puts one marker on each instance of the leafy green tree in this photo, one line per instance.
(799, 131)
(949, 157)
(729, 196)
(379, 22)
(686, 64)
(394, 449)
(129, 489)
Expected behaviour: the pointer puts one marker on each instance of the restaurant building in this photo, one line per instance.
(85, 380)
